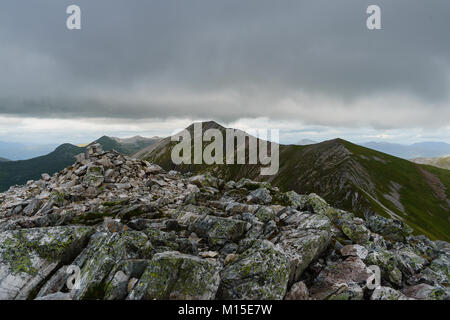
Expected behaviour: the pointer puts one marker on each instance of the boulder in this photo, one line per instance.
(218, 230)
(261, 272)
(173, 275)
(358, 233)
(260, 196)
(387, 293)
(392, 229)
(354, 250)
(28, 256)
(303, 238)
(341, 281)
(425, 291)
(387, 262)
(298, 291)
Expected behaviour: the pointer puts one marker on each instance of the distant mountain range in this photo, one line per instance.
(20, 171)
(347, 175)
(416, 150)
(442, 162)
(3, 159)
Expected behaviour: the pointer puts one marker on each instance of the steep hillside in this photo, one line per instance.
(3, 159)
(442, 162)
(348, 176)
(19, 172)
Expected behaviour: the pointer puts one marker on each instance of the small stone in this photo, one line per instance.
(298, 291)
(355, 250)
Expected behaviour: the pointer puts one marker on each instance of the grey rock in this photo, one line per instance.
(28, 256)
(341, 280)
(260, 196)
(298, 291)
(173, 275)
(387, 293)
(260, 272)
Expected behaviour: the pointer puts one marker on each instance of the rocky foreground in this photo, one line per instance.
(112, 227)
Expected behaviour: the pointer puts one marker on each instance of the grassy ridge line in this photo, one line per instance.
(345, 175)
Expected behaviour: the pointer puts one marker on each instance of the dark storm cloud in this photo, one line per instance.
(220, 59)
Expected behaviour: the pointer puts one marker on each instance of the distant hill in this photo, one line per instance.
(348, 176)
(416, 150)
(4, 159)
(19, 172)
(442, 162)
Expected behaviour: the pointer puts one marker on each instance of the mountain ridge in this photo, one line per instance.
(348, 176)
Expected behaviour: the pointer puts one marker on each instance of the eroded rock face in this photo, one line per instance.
(303, 237)
(260, 272)
(173, 275)
(28, 256)
(111, 227)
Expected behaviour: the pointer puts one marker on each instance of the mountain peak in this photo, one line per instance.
(206, 125)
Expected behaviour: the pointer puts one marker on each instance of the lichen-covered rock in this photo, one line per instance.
(387, 293)
(103, 253)
(59, 296)
(94, 176)
(260, 272)
(205, 180)
(28, 256)
(424, 291)
(355, 250)
(348, 291)
(260, 196)
(392, 229)
(252, 185)
(265, 214)
(298, 291)
(387, 262)
(173, 275)
(437, 272)
(341, 281)
(408, 261)
(117, 282)
(218, 230)
(303, 238)
(358, 233)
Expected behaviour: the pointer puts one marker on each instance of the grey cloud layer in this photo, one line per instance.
(227, 60)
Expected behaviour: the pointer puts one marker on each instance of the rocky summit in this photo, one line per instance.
(112, 227)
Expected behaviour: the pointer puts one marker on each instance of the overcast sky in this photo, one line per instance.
(310, 68)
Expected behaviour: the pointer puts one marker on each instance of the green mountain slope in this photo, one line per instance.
(348, 176)
(19, 172)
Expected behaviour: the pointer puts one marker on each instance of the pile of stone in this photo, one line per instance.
(112, 227)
